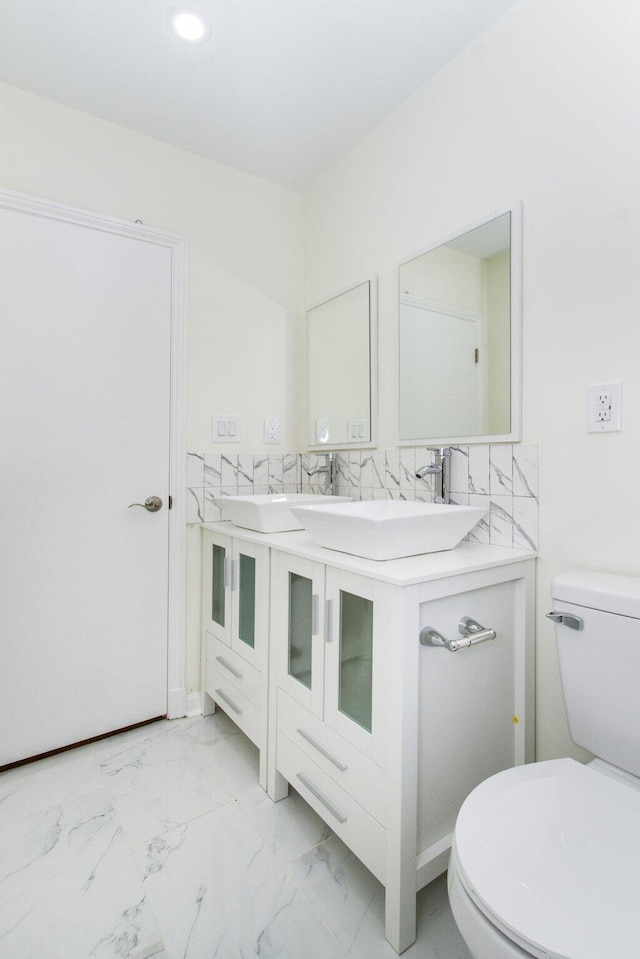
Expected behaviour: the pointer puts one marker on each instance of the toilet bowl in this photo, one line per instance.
(545, 860)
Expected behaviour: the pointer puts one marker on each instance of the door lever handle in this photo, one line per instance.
(152, 504)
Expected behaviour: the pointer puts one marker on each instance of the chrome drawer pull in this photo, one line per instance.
(232, 669)
(322, 798)
(229, 702)
(472, 632)
(325, 752)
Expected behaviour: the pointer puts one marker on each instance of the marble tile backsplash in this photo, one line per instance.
(501, 477)
(212, 475)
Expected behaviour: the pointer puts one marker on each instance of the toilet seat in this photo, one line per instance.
(550, 853)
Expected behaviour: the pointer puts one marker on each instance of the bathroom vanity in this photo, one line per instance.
(235, 622)
(345, 674)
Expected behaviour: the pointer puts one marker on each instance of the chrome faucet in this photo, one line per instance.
(331, 470)
(439, 468)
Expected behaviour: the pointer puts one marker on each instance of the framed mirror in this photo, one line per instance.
(341, 369)
(460, 336)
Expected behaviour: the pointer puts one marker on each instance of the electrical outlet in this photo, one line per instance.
(604, 407)
(272, 429)
(322, 431)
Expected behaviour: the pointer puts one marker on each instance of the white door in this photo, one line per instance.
(84, 432)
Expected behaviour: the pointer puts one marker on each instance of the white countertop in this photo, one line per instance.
(465, 558)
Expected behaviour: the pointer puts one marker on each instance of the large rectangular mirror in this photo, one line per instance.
(341, 369)
(460, 336)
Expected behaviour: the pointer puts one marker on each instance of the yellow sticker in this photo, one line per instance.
(515, 719)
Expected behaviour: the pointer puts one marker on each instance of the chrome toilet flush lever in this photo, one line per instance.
(472, 632)
(566, 619)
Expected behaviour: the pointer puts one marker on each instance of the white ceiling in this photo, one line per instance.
(281, 89)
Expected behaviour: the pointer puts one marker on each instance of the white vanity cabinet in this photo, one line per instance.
(235, 621)
(382, 734)
(385, 736)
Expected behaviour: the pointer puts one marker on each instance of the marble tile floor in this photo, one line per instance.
(159, 844)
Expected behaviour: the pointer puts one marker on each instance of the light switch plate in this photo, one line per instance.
(355, 430)
(225, 429)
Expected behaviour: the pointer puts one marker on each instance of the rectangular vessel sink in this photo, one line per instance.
(388, 529)
(269, 512)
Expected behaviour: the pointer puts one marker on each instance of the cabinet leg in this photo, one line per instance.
(208, 705)
(400, 918)
(263, 773)
(277, 786)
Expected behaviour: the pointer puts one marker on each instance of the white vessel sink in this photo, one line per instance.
(269, 512)
(388, 529)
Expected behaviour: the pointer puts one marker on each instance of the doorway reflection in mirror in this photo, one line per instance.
(459, 337)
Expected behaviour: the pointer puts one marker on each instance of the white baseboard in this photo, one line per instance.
(181, 703)
(177, 703)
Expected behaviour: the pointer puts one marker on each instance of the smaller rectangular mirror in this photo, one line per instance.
(459, 336)
(341, 369)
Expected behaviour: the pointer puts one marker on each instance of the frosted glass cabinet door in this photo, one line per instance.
(218, 592)
(355, 639)
(354, 660)
(250, 601)
(216, 595)
(299, 593)
(235, 583)
(300, 629)
(247, 600)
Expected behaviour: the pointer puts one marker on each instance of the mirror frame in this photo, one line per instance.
(373, 368)
(515, 432)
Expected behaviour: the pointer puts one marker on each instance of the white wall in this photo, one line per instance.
(245, 251)
(543, 107)
(244, 339)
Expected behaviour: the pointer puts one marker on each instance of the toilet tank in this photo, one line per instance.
(600, 663)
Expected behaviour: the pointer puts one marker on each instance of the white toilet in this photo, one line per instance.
(546, 857)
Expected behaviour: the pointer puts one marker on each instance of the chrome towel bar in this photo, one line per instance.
(471, 631)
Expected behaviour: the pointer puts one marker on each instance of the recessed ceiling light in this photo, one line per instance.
(189, 26)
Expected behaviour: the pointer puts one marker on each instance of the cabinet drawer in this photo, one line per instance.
(346, 765)
(251, 720)
(347, 818)
(250, 681)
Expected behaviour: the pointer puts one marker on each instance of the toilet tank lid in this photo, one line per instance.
(595, 590)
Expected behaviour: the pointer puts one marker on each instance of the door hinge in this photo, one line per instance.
(171, 502)
(476, 354)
